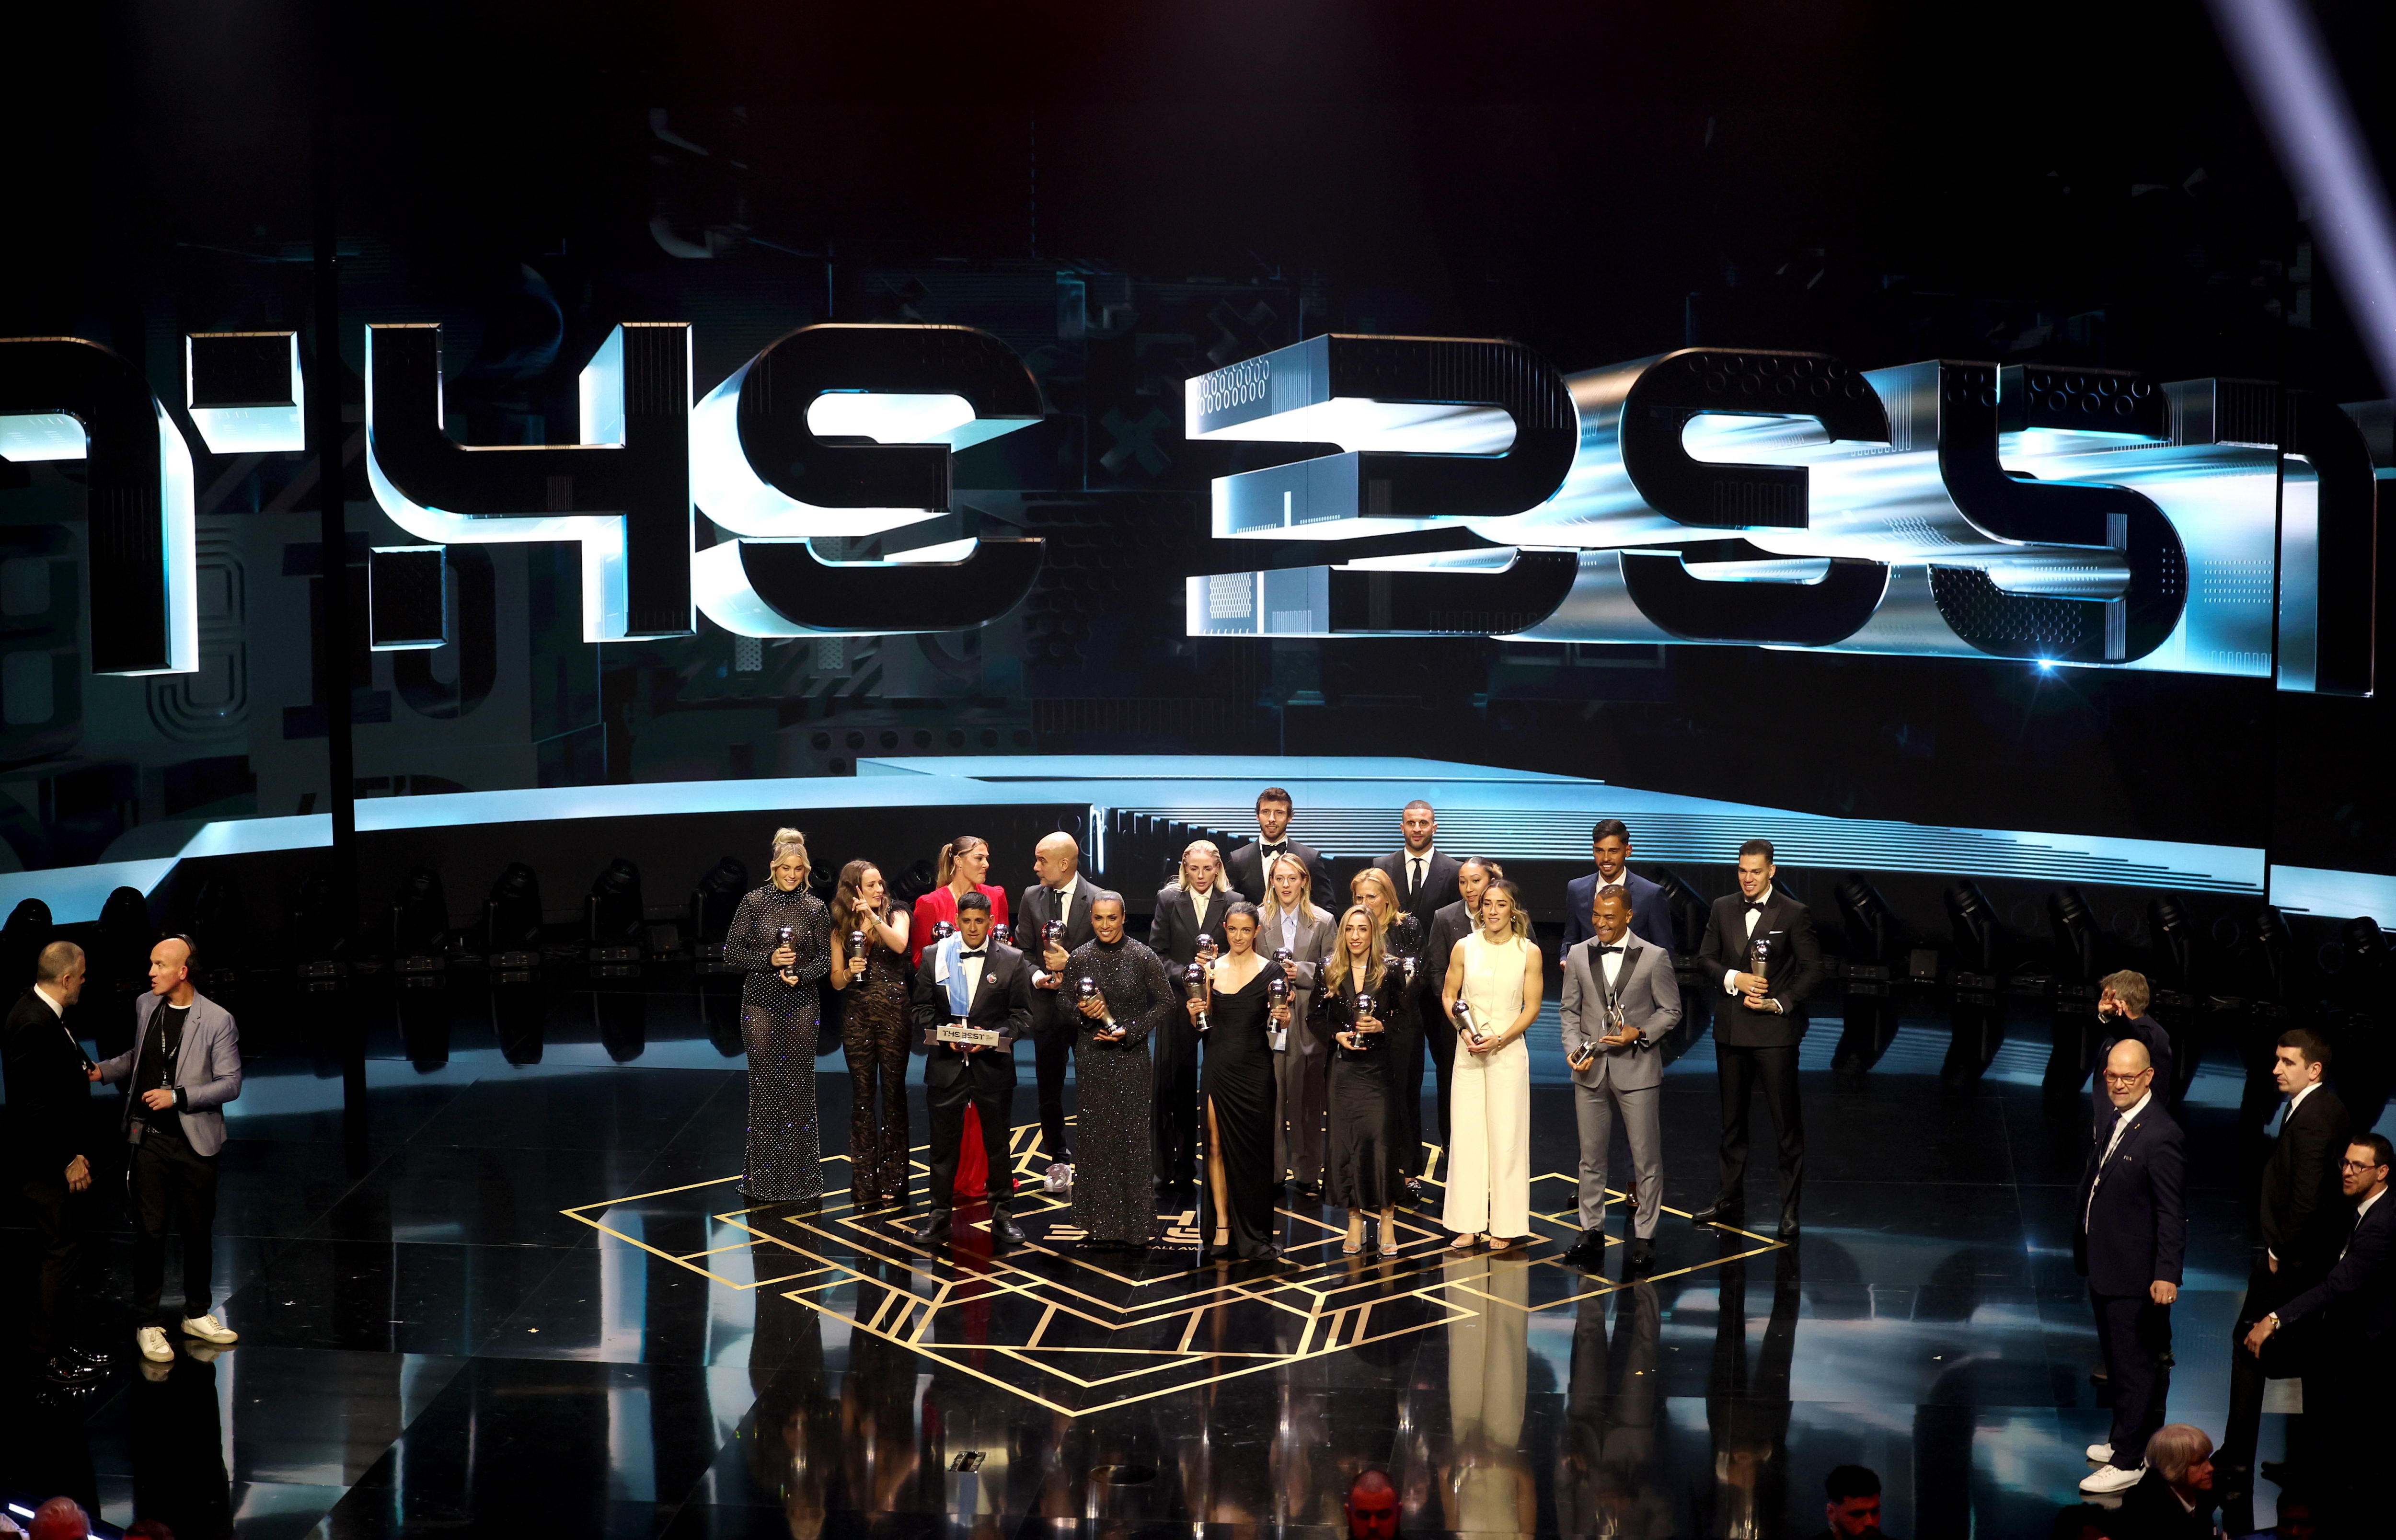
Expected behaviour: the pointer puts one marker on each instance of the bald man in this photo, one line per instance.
(2132, 1233)
(1059, 895)
(185, 1062)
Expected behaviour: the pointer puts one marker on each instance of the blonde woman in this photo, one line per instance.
(1364, 1169)
(1495, 972)
(781, 936)
(963, 868)
(1190, 906)
(1292, 923)
(1377, 891)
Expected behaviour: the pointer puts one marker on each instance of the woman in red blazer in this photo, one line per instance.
(964, 861)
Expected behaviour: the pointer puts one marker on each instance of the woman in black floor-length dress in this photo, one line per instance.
(1363, 1164)
(1236, 1201)
(780, 1014)
(1114, 1192)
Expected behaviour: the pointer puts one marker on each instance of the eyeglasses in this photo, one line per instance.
(2360, 1165)
(2130, 1079)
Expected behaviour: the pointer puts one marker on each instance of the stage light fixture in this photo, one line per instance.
(713, 900)
(1873, 935)
(613, 918)
(2273, 955)
(2173, 935)
(30, 928)
(2076, 938)
(1978, 936)
(1689, 909)
(512, 925)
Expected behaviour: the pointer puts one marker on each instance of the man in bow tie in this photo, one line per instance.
(1250, 866)
(1620, 999)
(1761, 950)
(967, 978)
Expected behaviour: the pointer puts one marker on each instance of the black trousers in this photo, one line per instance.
(1052, 1055)
(1440, 1039)
(2266, 1292)
(2132, 1332)
(1737, 1072)
(995, 1103)
(173, 1184)
(61, 1219)
(1176, 1116)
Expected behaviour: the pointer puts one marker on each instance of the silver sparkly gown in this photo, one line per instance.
(1114, 1191)
(778, 1024)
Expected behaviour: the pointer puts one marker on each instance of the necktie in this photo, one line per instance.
(1414, 882)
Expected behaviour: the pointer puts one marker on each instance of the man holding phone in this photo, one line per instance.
(1620, 999)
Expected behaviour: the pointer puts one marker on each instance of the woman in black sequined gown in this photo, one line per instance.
(1114, 1192)
(874, 1033)
(1236, 1201)
(1363, 1164)
(778, 1017)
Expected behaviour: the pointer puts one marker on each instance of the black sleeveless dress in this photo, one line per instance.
(1237, 1081)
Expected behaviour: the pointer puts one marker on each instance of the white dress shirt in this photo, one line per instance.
(1417, 870)
(51, 1001)
(2359, 1210)
(1730, 976)
(1198, 904)
(2120, 1126)
(973, 971)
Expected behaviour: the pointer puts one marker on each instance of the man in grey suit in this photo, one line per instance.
(185, 1062)
(1620, 999)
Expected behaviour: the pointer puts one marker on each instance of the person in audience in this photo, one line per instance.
(1452, 924)
(969, 977)
(781, 937)
(2302, 1230)
(2173, 1500)
(1114, 1201)
(183, 1068)
(1620, 999)
(52, 1158)
(1365, 1168)
(874, 1033)
(1236, 1202)
(1372, 1506)
(1377, 891)
(2351, 1317)
(1759, 944)
(1853, 1511)
(1188, 908)
(1651, 914)
(1495, 974)
(60, 1518)
(1248, 866)
(1290, 923)
(1062, 895)
(2131, 1237)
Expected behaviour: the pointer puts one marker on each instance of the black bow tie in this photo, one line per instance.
(1275, 850)
(1603, 951)
(1753, 906)
(971, 953)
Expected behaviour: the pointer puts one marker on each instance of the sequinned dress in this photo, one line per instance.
(777, 1026)
(1114, 1190)
(874, 1038)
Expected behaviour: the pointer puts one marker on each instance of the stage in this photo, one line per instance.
(528, 1294)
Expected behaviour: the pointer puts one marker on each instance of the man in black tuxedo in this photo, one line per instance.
(1760, 944)
(2350, 1316)
(1451, 925)
(969, 977)
(1424, 878)
(1247, 866)
(1651, 916)
(1060, 893)
(2132, 1232)
(50, 1157)
(2303, 1229)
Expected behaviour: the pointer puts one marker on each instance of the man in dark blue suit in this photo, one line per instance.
(1651, 917)
(2132, 1234)
(2351, 1317)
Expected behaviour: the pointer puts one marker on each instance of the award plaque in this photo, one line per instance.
(958, 1032)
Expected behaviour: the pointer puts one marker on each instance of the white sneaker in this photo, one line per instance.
(208, 1328)
(1060, 1177)
(2101, 1454)
(153, 1342)
(2108, 1479)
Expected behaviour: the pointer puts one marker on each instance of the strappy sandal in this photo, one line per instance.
(1354, 1244)
(1464, 1242)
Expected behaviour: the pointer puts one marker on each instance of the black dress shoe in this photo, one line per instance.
(1005, 1229)
(1588, 1248)
(88, 1359)
(67, 1373)
(1310, 1192)
(1643, 1254)
(932, 1230)
(1724, 1210)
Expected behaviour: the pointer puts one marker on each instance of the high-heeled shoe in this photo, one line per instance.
(1355, 1244)
(1464, 1242)
(1388, 1236)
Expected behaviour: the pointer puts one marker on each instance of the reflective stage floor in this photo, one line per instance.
(521, 1295)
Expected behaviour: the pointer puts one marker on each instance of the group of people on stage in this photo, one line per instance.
(1258, 1038)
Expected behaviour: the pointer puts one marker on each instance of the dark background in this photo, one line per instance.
(1129, 194)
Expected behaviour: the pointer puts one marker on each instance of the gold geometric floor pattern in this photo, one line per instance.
(1084, 1331)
